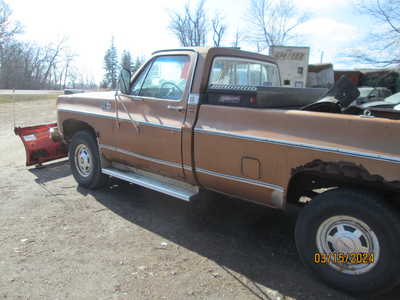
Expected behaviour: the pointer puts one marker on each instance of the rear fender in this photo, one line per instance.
(41, 144)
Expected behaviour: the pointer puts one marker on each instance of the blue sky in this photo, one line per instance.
(141, 26)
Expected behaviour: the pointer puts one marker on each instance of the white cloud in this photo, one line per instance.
(328, 36)
(329, 30)
(323, 6)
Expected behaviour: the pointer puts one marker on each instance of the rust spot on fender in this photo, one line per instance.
(347, 171)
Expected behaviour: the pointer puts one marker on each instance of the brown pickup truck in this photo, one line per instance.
(216, 119)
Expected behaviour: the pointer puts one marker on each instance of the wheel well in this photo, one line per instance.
(317, 176)
(71, 126)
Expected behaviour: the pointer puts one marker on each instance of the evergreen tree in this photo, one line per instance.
(111, 66)
(126, 61)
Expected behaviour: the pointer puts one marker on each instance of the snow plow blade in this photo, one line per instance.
(42, 143)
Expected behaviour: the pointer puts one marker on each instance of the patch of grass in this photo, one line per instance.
(27, 97)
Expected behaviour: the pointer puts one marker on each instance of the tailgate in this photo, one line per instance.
(39, 145)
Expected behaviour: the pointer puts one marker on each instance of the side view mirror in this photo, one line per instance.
(124, 81)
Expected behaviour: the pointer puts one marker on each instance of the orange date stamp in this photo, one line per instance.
(344, 258)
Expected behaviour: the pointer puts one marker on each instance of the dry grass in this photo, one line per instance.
(8, 98)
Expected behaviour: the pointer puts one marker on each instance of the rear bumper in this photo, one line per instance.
(42, 143)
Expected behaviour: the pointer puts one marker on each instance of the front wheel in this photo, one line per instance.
(85, 161)
(349, 238)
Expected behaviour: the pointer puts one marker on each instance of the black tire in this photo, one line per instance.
(370, 209)
(94, 179)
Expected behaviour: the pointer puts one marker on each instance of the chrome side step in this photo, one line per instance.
(155, 182)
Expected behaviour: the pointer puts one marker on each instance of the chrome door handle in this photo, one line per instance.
(173, 107)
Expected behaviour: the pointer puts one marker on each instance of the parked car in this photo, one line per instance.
(389, 102)
(390, 111)
(197, 119)
(370, 94)
(394, 99)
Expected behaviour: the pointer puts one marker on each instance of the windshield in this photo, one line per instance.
(393, 99)
(365, 91)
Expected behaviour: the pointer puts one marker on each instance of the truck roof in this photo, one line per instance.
(205, 59)
(221, 51)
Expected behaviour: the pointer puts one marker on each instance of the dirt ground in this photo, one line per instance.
(59, 241)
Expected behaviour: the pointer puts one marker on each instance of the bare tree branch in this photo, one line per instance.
(219, 29)
(273, 23)
(190, 27)
(237, 39)
(55, 52)
(383, 46)
(8, 28)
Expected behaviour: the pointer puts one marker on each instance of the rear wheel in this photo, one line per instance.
(349, 238)
(85, 161)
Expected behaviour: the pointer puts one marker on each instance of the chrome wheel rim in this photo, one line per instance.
(83, 160)
(346, 235)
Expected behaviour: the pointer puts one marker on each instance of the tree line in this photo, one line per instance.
(27, 65)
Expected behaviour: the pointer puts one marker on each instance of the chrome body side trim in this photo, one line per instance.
(119, 118)
(176, 165)
(140, 156)
(142, 123)
(301, 145)
(242, 179)
(86, 113)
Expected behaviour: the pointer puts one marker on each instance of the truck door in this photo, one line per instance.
(151, 117)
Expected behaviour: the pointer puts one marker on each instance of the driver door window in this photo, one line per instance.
(166, 78)
(135, 89)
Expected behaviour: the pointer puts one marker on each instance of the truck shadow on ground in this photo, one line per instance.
(242, 238)
(51, 171)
